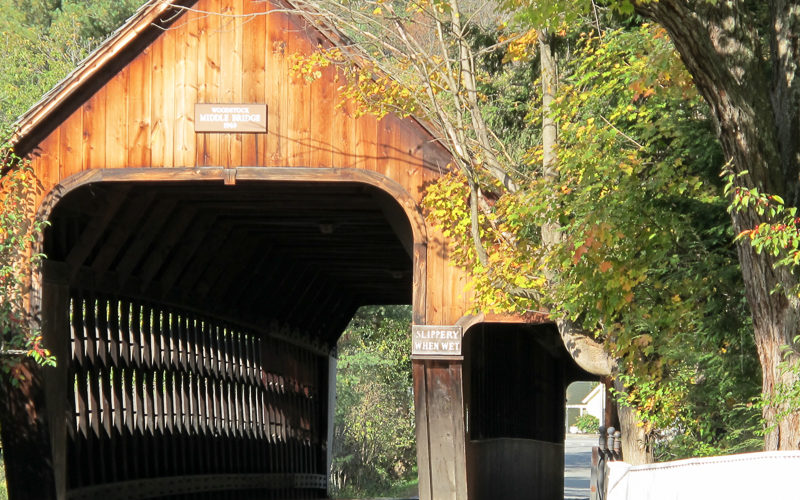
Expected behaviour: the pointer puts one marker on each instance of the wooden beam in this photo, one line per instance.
(185, 251)
(205, 256)
(397, 220)
(241, 267)
(250, 277)
(145, 233)
(309, 298)
(283, 293)
(318, 313)
(176, 229)
(232, 257)
(120, 231)
(97, 226)
(263, 294)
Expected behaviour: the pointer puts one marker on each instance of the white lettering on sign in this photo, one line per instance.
(229, 118)
(430, 340)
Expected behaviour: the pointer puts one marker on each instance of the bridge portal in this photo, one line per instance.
(197, 279)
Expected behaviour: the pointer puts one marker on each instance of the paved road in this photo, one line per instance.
(577, 465)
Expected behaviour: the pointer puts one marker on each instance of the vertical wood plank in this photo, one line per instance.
(343, 130)
(45, 162)
(117, 95)
(94, 131)
(387, 147)
(422, 429)
(78, 360)
(235, 158)
(420, 283)
(253, 35)
(450, 305)
(445, 421)
(139, 119)
(208, 74)
(71, 145)
(180, 119)
(124, 394)
(299, 132)
(230, 73)
(162, 98)
(404, 153)
(186, 38)
(277, 88)
(366, 142)
(106, 390)
(435, 271)
(184, 399)
(139, 389)
(321, 117)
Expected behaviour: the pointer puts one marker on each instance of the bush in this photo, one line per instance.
(587, 423)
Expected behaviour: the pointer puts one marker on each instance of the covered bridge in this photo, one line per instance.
(198, 277)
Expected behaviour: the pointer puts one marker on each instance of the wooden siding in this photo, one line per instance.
(143, 117)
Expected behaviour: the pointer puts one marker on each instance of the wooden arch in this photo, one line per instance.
(229, 176)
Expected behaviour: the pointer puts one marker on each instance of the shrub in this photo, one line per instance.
(587, 423)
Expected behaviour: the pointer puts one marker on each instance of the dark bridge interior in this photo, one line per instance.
(201, 322)
(306, 257)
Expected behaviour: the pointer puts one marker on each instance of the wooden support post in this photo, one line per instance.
(330, 415)
(441, 456)
(57, 383)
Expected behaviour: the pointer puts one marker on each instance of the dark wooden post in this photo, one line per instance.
(57, 383)
(330, 414)
(441, 455)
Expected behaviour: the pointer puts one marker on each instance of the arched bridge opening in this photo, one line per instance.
(515, 382)
(194, 325)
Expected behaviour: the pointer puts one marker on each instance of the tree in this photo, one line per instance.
(641, 255)
(436, 52)
(18, 232)
(43, 40)
(374, 421)
(517, 267)
(744, 58)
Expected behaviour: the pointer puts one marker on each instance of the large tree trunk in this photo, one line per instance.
(752, 89)
(637, 445)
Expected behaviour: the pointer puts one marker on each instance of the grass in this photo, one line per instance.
(405, 489)
(401, 489)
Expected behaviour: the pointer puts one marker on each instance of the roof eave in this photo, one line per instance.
(148, 15)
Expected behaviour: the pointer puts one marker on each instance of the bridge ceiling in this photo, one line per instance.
(304, 255)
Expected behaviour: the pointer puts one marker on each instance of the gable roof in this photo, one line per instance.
(120, 48)
(104, 62)
(597, 391)
(578, 391)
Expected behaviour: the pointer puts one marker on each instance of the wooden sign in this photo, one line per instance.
(236, 118)
(435, 341)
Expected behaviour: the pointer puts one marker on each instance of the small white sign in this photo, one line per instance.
(246, 118)
(436, 340)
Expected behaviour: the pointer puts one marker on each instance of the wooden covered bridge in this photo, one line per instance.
(198, 277)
